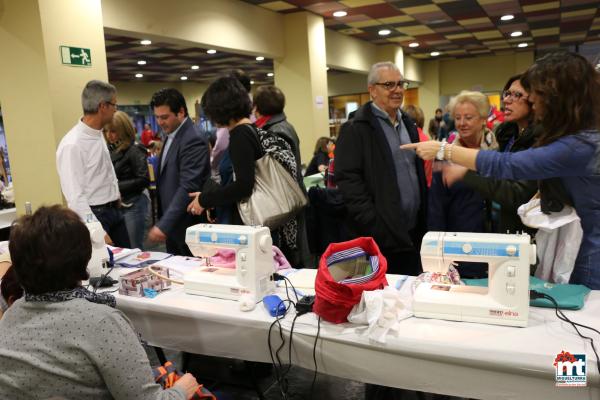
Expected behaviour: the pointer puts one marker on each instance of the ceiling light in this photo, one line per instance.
(139, 75)
(252, 82)
(211, 51)
(183, 78)
(146, 42)
(516, 34)
(434, 53)
(339, 14)
(522, 45)
(414, 44)
(270, 74)
(507, 17)
(141, 62)
(326, 68)
(384, 32)
(260, 58)
(195, 67)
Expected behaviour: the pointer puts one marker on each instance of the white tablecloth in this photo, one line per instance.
(456, 358)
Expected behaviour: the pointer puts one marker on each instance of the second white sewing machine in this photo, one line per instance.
(505, 301)
(253, 261)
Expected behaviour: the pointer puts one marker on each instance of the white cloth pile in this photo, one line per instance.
(381, 310)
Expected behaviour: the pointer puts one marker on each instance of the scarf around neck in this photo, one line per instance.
(78, 293)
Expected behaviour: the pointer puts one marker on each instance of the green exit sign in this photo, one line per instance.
(77, 56)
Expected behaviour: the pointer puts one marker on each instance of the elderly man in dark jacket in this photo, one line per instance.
(384, 187)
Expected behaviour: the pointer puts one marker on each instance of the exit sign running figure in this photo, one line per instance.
(77, 56)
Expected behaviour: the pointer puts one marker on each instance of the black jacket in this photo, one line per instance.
(507, 193)
(279, 124)
(366, 177)
(131, 168)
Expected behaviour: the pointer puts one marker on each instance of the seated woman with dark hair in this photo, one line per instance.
(60, 339)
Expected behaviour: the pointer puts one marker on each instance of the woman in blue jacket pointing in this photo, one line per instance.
(565, 91)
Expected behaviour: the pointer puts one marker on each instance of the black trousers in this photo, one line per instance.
(113, 223)
(178, 248)
(403, 262)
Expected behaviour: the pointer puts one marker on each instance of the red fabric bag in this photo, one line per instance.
(334, 300)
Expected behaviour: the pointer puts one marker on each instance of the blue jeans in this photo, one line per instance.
(135, 220)
(113, 224)
(587, 271)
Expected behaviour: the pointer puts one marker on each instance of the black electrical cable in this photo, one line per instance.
(102, 278)
(312, 385)
(560, 315)
(277, 365)
(293, 288)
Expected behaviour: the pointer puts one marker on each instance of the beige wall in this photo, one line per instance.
(302, 76)
(349, 83)
(487, 73)
(221, 24)
(413, 69)
(347, 53)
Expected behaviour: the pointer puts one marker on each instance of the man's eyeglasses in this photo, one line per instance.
(112, 104)
(516, 96)
(393, 85)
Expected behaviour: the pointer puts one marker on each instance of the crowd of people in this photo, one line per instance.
(480, 166)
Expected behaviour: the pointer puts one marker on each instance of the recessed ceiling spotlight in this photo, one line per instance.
(260, 58)
(384, 32)
(252, 82)
(195, 67)
(270, 74)
(183, 78)
(211, 51)
(139, 75)
(522, 45)
(413, 44)
(141, 62)
(507, 17)
(340, 14)
(434, 53)
(516, 34)
(146, 42)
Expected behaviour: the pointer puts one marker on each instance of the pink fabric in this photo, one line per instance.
(225, 258)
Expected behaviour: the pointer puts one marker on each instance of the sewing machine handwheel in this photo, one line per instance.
(265, 243)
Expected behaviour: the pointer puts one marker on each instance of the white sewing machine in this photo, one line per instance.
(253, 261)
(99, 252)
(506, 299)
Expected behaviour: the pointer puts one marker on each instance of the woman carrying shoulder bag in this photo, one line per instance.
(226, 103)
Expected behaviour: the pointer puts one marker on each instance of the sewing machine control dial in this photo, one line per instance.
(467, 248)
(243, 239)
(511, 271)
(511, 250)
(214, 237)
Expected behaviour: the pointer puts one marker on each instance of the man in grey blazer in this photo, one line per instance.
(183, 167)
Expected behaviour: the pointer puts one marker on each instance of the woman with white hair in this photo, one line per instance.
(456, 207)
